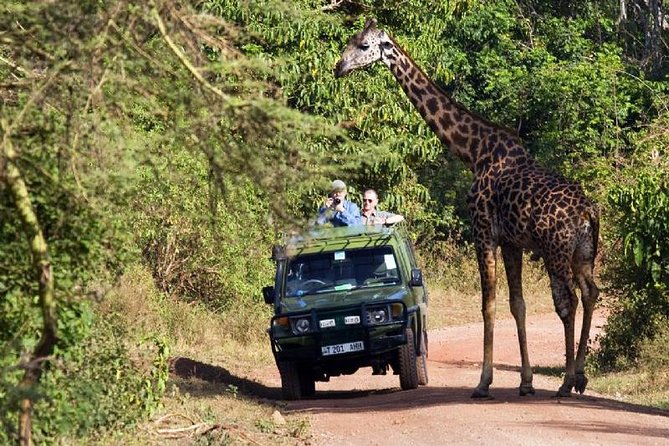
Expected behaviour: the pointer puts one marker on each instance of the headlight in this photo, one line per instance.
(378, 316)
(384, 314)
(301, 325)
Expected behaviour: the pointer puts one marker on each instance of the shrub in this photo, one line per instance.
(639, 272)
(91, 385)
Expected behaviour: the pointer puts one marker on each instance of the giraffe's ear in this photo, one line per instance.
(370, 23)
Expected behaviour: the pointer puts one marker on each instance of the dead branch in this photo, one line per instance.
(184, 60)
(334, 4)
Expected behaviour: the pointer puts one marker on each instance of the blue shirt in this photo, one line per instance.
(349, 217)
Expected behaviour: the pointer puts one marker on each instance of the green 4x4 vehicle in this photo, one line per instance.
(346, 298)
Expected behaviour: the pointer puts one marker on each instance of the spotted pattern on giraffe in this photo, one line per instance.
(515, 204)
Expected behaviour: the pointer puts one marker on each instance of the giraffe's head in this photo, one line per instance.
(364, 48)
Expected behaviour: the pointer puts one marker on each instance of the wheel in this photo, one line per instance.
(407, 363)
(290, 380)
(421, 362)
(307, 383)
(296, 381)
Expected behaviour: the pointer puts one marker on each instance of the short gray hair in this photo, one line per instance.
(338, 185)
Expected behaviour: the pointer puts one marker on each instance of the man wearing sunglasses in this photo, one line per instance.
(371, 215)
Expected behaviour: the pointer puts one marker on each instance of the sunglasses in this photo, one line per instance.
(367, 200)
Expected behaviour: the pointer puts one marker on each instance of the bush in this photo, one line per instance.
(200, 246)
(91, 385)
(653, 355)
(639, 272)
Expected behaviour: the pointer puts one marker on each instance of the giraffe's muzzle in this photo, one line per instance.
(340, 69)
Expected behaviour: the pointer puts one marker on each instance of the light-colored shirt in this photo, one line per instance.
(349, 217)
(376, 217)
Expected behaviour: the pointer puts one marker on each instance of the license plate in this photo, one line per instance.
(351, 320)
(342, 348)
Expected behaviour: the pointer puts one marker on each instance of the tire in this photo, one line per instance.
(297, 381)
(307, 382)
(290, 380)
(407, 363)
(421, 362)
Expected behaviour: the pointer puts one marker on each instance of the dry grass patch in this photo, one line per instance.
(636, 387)
(455, 291)
(212, 396)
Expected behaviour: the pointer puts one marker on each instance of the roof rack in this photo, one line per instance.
(324, 236)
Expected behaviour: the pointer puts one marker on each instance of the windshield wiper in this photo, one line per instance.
(314, 290)
(381, 281)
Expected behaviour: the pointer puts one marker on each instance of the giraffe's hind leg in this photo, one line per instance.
(513, 263)
(589, 294)
(565, 301)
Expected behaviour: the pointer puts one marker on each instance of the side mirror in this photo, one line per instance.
(278, 252)
(268, 294)
(416, 277)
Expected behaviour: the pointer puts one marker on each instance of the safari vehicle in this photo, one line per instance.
(346, 298)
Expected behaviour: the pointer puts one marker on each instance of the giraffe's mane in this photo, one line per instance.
(455, 103)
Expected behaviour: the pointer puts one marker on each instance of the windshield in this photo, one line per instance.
(341, 271)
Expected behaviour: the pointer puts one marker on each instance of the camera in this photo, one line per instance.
(336, 201)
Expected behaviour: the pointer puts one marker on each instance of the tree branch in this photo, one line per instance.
(184, 60)
(11, 175)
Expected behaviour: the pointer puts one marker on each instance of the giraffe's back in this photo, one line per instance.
(539, 210)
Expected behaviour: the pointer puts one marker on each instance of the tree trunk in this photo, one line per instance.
(42, 267)
(653, 38)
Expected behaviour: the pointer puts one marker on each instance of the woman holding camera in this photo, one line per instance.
(337, 209)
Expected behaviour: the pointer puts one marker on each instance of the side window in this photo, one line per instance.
(412, 257)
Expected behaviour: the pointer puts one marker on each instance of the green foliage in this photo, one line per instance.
(91, 385)
(201, 245)
(653, 356)
(645, 227)
(129, 156)
(156, 382)
(639, 273)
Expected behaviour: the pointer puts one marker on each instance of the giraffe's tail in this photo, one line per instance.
(593, 217)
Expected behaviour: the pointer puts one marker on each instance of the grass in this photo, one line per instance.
(636, 387)
(201, 406)
(455, 292)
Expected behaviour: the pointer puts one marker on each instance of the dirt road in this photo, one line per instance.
(362, 409)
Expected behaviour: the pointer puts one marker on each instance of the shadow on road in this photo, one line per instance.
(214, 379)
(203, 379)
(395, 399)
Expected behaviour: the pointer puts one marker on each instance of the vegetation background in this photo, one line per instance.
(166, 145)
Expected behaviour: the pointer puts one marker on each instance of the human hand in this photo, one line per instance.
(337, 203)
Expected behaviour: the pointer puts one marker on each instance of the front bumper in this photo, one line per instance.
(378, 338)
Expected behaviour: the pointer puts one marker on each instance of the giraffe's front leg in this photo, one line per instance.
(486, 260)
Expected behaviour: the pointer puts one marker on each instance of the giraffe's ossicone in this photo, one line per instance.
(515, 205)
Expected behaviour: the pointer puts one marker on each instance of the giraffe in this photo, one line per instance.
(515, 205)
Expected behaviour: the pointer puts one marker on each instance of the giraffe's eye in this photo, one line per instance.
(364, 46)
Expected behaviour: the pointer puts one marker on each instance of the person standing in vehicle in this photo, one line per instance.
(337, 209)
(371, 215)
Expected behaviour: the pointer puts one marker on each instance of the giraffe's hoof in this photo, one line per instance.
(581, 382)
(526, 390)
(481, 394)
(563, 392)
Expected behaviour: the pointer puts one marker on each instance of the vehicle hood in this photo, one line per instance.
(343, 298)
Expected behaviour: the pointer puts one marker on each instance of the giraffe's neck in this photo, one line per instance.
(472, 139)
